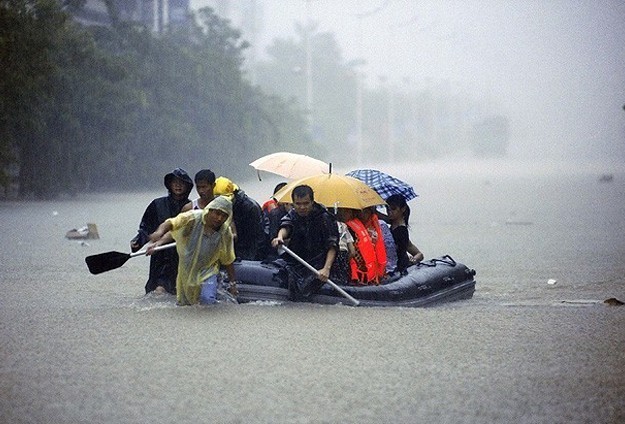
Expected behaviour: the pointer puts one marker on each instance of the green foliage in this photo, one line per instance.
(109, 108)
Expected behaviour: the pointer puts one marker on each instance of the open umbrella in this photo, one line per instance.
(384, 184)
(290, 165)
(334, 190)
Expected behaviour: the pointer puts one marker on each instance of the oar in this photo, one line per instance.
(310, 267)
(110, 260)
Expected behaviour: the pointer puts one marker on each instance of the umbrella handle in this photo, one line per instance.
(283, 248)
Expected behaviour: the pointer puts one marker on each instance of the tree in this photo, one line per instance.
(114, 107)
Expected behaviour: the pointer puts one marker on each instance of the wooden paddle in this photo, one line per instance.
(111, 260)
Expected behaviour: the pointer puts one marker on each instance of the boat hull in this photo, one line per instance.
(429, 283)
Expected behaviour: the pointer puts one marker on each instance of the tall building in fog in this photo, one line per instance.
(158, 15)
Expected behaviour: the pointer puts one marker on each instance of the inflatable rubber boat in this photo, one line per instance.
(428, 283)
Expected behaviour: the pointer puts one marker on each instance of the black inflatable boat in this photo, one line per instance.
(428, 283)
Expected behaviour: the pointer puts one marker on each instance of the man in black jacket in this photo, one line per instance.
(312, 234)
(164, 263)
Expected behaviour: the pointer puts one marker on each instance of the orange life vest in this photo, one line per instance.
(378, 244)
(364, 266)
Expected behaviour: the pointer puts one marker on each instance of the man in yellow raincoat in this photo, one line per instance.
(204, 243)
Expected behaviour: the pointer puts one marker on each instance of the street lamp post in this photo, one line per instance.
(359, 140)
(309, 82)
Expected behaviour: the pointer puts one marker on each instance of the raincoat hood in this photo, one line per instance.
(220, 203)
(224, 187)
(179, 173)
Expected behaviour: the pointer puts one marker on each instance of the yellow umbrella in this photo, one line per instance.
(334, 190)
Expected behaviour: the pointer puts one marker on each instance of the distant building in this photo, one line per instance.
(158, 15)
(246, 16)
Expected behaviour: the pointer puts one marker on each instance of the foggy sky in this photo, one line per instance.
(556, 68)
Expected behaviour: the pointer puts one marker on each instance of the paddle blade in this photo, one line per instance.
(106, 261)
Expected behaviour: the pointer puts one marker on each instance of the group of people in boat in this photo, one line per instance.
(224, 224)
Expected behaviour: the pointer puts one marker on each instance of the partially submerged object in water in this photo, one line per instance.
(88, 232)
(606, 178)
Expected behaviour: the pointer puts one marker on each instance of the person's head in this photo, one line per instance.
(366, 213)
(205, 183)
(178, 183)
(224, 187)
(303, 199)
(398, 208)
(217, 212)
(278, 187)
(345, 214)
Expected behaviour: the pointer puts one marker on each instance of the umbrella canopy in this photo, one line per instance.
(290, 165)
(334, 190)
(384, 184)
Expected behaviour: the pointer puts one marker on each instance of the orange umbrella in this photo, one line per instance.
(334, 190)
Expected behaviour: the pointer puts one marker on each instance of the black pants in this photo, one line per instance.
(302, 281)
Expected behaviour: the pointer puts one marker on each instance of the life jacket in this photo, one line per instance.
(269, 205)
(363, 267)
(378, 244)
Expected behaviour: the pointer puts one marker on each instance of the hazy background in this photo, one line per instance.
(555, 68)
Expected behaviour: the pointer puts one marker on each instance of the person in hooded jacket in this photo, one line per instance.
(164, 263)
(247, 221)
(205, 245)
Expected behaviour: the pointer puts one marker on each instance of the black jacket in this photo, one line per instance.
(248, 219)
(313, 234)
(163, 263)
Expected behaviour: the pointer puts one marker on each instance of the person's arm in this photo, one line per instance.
(417, 256)
(324, 273)
(351, 249)
(187, 207)
(161, 236)
(331, 233)
(233, 228)
(148, 224)
(232, 278)
(283, 233)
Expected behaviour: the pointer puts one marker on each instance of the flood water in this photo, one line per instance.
(77, 347)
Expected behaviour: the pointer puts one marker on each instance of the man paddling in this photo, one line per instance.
(204, 244)
(312, 234)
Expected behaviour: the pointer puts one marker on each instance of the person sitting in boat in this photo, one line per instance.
(389, 245)
(369, 218)
(204, 185)
(399, 214)
(341, 272)
(312, 234)
(272, 225)
(247, 221)
(364, 266)
(204, 243)
(272, 203)
(164, 263)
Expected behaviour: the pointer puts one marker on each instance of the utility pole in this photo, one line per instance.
(309, 82)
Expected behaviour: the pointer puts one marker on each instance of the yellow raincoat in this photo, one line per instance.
(200, 255)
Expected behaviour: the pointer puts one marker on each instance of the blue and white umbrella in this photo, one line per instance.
(385, 185)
